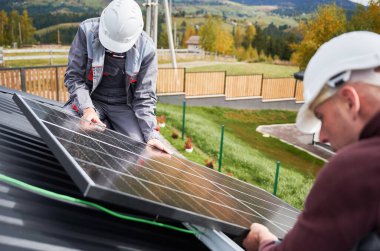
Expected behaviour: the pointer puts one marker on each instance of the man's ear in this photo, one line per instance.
(351, 97)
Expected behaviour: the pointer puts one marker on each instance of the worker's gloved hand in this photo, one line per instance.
(155, 143)
(90, 120)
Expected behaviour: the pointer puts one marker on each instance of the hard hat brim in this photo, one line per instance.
(306, 121)
(113, 45)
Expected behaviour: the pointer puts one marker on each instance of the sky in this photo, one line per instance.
(364, 2)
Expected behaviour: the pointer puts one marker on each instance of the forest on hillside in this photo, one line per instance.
(238, 37)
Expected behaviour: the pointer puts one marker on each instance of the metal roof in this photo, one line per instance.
(193, 40)
(32, 222)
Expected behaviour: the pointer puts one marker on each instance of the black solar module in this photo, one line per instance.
(111, 167)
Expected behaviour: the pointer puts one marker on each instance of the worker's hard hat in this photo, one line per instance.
(346, 58)
(121, 24)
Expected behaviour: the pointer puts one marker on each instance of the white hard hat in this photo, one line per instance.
(351, 56)
(121, 23)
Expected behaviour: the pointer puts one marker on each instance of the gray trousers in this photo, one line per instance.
(120, 118)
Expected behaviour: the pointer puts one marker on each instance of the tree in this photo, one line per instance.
(250, 34)
(215, 38)
(27, 29)
(366, 18)
(328, 22)
(190, 31)
(163, 41)
(13, 28)
(224, 42)
(3, 24)
(238, 36)
(208, 33)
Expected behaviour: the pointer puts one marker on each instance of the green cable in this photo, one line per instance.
(54, 195)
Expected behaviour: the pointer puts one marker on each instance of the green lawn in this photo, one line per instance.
(269, 70)
(35, 62)
(247, 155)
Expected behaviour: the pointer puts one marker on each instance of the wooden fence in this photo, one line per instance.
(43, 81)
(205, 83)
(243, 86)
(48, 82)
(278, 88)
(170, 80)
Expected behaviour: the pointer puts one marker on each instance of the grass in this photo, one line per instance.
(269, 70)
(35, 62)
(247, 155)
(259, 14)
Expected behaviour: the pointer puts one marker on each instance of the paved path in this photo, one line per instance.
(291, 135)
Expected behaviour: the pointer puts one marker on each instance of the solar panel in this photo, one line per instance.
(114, 168)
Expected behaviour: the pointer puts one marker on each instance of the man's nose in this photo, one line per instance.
(323, 136)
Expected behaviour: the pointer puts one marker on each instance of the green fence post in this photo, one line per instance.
(183, 117)
(276, 178)
(221, 149)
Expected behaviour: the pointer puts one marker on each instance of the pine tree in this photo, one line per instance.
(3, 24)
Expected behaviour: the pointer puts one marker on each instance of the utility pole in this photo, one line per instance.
(170, 35)
(148, 19)
(155, 26)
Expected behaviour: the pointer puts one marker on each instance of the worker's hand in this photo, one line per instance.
(257, 234)
(90, 120)
(155, 143)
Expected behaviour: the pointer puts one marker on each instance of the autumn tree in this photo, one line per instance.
(249, 36)
(238, 36)
(3, 25)
(27, 29)
(328, 22)
(224, 43)
(190, 31)
(13, 29)
(215, 38)
(208, 33)
(366, 18)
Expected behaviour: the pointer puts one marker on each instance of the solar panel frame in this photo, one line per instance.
(90, 189)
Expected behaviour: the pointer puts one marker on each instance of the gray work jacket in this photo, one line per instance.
(86, 61)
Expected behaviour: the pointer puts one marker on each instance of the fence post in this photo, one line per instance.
(22, 76)
(221, 149)
(261, 87)
(183, 117)
(225, 81)
(57, 82)
(295, 88)
(276, 178)
(184, 81)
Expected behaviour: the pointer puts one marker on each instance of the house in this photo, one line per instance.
(193, 43)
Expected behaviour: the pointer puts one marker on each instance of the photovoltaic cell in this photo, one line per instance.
(114, 168)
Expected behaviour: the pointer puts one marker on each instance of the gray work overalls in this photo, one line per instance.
(110, 99)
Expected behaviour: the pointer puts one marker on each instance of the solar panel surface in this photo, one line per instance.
(111, 167)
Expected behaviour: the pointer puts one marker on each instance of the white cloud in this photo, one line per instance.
(364, 2)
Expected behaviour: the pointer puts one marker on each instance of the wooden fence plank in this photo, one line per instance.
(204, 83)
(278, 88)
(243, 86)
(170, 80)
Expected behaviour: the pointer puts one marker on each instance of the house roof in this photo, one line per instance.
(193, 40)
(30, 221)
